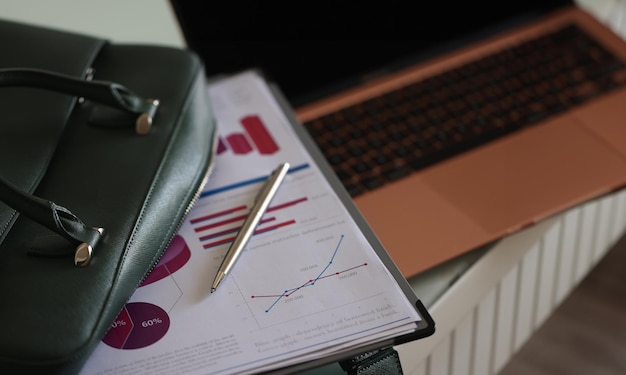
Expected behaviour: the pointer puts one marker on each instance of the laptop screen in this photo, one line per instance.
(368, 39)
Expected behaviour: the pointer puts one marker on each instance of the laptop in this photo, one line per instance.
(493, 117)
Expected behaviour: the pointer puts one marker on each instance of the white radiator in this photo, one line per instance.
(493, 309)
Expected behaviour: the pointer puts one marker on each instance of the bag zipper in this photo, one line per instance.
(189, 207)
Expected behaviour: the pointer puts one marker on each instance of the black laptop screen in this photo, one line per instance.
(354, 42)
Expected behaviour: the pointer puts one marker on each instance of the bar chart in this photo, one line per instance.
(218, 228)
(254, 136)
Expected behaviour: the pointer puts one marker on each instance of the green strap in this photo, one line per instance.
(122, 107)
(378, 362)
(109, 93)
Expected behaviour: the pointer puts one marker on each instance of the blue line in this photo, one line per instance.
(330, 262)
(310, 283)
(249, 182)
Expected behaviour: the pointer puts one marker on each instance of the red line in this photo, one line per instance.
(340, 272)
(308, 283)
(231, 230)
(239, 208)
(216, 214)
(258, 231)
(220, 223)
(287, 204)
(221, 233)
(216, 243)
(263, 230)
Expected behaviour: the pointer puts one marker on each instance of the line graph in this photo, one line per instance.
(324, 274)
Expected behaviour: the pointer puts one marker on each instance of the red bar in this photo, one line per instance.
(259, 135)
(217, 243)
(286, 204)
(231, 230)
(217, 214)
(258, 231)
(220, 223)
(273, 227)
(239, 143)
(220, 233)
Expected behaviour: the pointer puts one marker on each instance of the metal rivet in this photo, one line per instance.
(143, 124)
(83, 253)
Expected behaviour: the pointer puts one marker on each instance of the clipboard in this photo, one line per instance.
(334, 294)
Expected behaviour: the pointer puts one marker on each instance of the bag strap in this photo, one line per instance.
(54, 217)
(47, 213)
(109, 93)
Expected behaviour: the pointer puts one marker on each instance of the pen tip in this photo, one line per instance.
(212, 290)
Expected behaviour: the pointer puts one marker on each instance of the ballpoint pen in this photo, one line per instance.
(259, 207)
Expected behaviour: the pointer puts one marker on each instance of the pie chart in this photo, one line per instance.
(138, 325)
(176, 255)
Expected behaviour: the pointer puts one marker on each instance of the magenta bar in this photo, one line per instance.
(259, 135)
(221, 147)
(238, 143)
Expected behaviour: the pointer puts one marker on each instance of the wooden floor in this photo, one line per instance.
(587, 333)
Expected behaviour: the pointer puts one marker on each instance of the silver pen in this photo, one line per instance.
(259, 207)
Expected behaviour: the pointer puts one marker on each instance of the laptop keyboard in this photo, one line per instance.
(389, 137)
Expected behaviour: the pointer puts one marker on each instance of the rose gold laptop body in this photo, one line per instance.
(498, 189)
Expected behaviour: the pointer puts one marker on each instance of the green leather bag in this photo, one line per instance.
(103, 150)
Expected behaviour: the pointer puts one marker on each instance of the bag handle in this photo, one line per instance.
(47, 213)
(104, 92)
(54, 217)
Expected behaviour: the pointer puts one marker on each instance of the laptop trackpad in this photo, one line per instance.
(607, 120)
(529, 175)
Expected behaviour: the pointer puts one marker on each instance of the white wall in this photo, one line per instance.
(144, 21)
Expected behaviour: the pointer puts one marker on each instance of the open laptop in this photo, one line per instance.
(519, 154)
